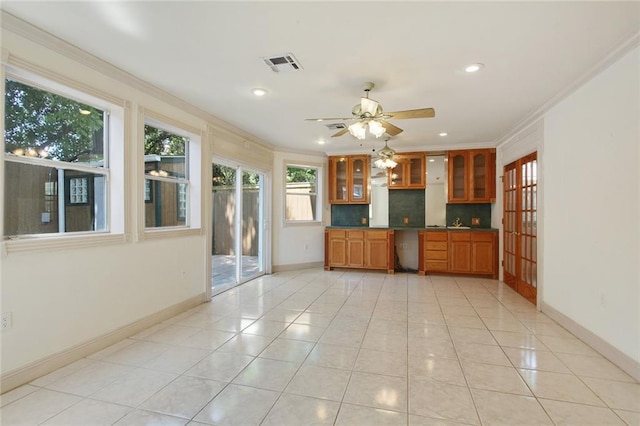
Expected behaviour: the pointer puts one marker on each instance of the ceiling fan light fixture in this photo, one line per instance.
(376, 128)
(385, 158)
(385, 163)
(358, 130)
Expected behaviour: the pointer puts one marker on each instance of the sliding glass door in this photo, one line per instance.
(237, 223)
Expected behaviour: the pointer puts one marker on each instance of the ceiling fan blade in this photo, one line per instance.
(390, 129)
(368, 106)
(341, 132)
(412, 113)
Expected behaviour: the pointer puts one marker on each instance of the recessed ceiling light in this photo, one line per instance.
(444, 134)
(431, 160)
(319, 119)
(321, 142)
(258, 91)
(474, 67)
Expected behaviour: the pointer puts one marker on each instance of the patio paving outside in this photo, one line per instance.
(223, 270)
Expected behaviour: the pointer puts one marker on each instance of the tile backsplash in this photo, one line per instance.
(409, 204)
(468, 211)
(349, 214)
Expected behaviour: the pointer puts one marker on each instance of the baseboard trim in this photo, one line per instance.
(20, 376)
(613, 354)
(295, 266)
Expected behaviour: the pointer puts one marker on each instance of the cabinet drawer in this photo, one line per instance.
(377, 235)
(436, 255)
(435, 266)
(356, 235)
(460, 236)
(436, 245)
(436, 236)
(337, 233)
(482, 236)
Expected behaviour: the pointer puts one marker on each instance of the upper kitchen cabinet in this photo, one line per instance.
(349, 179)
(472, 176)
(409, 173)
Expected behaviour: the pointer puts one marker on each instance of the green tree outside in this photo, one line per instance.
(51, 126)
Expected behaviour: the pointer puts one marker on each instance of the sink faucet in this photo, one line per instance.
(457, 223)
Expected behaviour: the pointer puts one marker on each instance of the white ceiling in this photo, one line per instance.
(209, 54)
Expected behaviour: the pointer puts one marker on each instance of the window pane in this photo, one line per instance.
(40, 124)
(164, 153)
(167, 205)
(301, 203)
(45, 200)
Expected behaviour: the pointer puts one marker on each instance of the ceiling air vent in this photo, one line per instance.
(283, 63)
(336, 126)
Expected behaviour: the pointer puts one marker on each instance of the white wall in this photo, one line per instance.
(591, 242)
(297, 244)
(64, 296)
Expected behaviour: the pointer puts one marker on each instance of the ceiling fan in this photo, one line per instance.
(369, 113)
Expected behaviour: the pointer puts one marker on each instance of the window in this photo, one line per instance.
(57, 168)
(166, 178)
(302, 203)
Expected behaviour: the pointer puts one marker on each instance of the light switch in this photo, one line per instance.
(475, 221)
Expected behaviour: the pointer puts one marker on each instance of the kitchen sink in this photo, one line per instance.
(458, 227)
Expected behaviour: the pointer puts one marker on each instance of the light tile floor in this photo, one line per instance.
(344, 348)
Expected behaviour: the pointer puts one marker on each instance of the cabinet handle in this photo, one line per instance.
(517, 234)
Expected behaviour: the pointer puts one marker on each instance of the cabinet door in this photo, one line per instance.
(416, 176)
(458, 183)
(397, 174)
(460, 251)
(359, 180)
(479, 172)
(482, 254)
(377, 249)
(377, 253)
(355, 250)
(338, 180)
(337, 252)
(482, 164)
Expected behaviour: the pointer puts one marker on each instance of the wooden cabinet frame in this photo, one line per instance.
(354, 192)
(410, 171)
(361, 249)
(472, 176)
(465, 252)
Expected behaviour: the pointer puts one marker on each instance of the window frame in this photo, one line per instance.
(112, 168)
(318, 193)
(193, 159)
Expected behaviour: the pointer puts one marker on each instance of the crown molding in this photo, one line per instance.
(56, 44)
(617, 53)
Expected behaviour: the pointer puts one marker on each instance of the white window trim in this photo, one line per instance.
(319, 192)
(116, 232)
(193, 158)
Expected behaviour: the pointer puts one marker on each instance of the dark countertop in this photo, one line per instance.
(415, 228)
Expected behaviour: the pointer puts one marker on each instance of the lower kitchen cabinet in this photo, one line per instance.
(363, 249)
(458, 252)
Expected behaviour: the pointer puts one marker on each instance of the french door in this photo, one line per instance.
(237, 223)
(520, 223)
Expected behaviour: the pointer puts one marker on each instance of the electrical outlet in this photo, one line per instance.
(5, 320)
(363, 220)
(405, 220)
